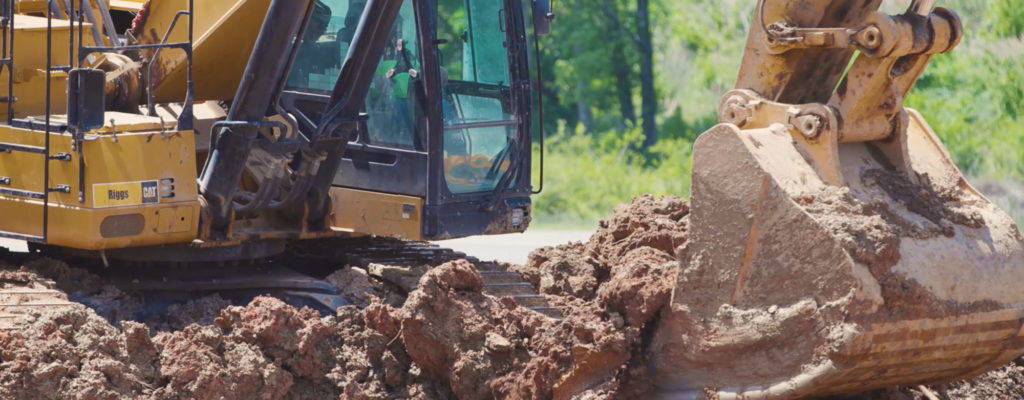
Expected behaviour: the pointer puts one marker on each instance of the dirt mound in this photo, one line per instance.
(627, 266)
(266, 350)
(68, 353)
(201, 311)
(611, 288)
(446, 339)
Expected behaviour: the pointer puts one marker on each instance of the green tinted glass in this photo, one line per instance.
(389, 102)
(325, 45)
(476, 98)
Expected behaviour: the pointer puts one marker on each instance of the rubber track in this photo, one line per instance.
(498, 280)
(20, 298)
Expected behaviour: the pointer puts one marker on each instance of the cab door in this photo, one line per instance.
(448, 122)
(482, 142)
(389, 155)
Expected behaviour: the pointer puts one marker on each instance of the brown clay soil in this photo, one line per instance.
(445, 339)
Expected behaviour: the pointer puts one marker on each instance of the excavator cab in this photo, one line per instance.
(447, 116)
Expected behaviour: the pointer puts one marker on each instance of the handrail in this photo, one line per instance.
(150, 101)
(185, 119)
(8, 52)
(46, 129)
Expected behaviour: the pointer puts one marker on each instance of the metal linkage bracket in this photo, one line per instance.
(878, 35)
(816, 130)
(867, 104)
(814, 127)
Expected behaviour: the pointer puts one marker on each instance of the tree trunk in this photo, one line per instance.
(649, 108)
(583, 112)
(620, 66)
(585, 115)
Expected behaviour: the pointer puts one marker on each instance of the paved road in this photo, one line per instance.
(14, 245)
(506, 248)
(513, 248)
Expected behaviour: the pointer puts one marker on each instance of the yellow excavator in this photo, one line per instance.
(222, 130)
(834, 245)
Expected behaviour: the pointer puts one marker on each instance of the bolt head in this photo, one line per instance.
(810, 126)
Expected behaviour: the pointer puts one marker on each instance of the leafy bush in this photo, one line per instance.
(587, 175)
(1007, 17)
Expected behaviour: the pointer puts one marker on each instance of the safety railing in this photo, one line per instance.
(73, 14)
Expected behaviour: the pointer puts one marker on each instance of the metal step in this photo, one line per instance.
(510, 289)
(22, 193)
(495, 277)
(549, 311)
(531, 301)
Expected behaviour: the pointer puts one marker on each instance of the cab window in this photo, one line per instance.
(390, 101)
(476, 98)
(328, 36)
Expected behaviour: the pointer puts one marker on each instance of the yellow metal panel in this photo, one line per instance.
(380, 214)
(38, 8)
(134, 157)
(30, 92)
(175, 220)
(121, 123)
(225, 33)
(126, 5)
(110, 165)
(79, 228)
(30, 66)
(30, 41)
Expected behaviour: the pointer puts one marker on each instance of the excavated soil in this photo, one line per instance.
(442, 339)
(871, 233)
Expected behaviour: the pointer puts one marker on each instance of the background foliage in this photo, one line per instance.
(973, 97)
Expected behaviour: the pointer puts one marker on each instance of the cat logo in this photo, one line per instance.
(126, 194)
(150, 192)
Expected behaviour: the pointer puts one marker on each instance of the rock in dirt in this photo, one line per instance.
(355, 285)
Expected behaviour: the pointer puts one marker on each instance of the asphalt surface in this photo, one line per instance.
(14, 245)
(514, 248)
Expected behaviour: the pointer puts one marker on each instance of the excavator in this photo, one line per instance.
(834, 246)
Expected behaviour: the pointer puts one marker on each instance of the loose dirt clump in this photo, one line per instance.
(201, 311)
(355, 285)
(68, 353)
(872, 234)
(266, 350)
(611, 288)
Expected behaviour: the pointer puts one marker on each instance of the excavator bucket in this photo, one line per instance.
(827, 257)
